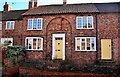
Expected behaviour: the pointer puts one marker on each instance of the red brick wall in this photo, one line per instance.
(119, 36)
(16, 34)
(108, 29)
(62, 24)
(34, 55)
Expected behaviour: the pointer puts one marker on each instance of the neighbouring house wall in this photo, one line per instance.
(65, 23)
(119, 37)
(16, 33)
(108, 29)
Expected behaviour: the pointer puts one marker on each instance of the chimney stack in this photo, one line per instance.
(7, 7)
(33, 3)
(64, 2)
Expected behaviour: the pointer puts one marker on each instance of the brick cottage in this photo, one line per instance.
(83, 33)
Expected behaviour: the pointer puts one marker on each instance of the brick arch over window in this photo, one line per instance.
(58, 25)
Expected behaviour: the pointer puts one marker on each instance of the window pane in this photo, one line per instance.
(88, 43)
(34, 23)
(12, 25)
(83, 46)
(92, 44)
(39, 43)
(83, 40)
(78, 43)
(30, 43)
(8, 25)
(89, 22)
(34, 43)
(27, 46)
(79, 22)
(39, 23)
(29, 23)
(84, 22)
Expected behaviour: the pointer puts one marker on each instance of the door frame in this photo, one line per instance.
(53, 45)
(110, 49)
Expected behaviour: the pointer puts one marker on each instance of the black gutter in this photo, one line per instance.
(96, 38)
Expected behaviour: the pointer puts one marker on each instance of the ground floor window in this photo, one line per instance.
(7, 41)
(34, 43)
(85, 43)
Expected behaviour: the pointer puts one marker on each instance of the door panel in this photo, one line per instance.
(105, 49)
(58, 48)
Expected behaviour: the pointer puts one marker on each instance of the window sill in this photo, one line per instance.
(84, 29)
(9, 29)
(33, 29)
(34, 49)
(85, 50)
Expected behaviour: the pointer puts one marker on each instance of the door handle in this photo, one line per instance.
(57, 50)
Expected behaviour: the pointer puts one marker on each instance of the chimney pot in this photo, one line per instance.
(64, 2)
(33, 3)
(30, 4)
(7, 7)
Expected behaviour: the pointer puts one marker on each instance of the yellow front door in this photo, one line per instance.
(58, 47)
(106, 49)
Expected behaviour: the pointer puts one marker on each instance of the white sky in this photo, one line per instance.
(23, 4)
(75, 1)
(44, 2)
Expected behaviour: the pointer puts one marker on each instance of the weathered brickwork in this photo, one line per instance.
(16, 33)
(108, 29)
(61, 24)
(119, 35)
(34, 55)
(107, 26)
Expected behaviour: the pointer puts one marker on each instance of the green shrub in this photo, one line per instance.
(14, 52)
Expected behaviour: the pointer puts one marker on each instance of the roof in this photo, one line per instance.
(58, 9)
(75, 8)
(62, 9)
(108, 7)
(12, 15)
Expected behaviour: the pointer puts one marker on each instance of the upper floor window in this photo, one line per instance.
(10, 25)
(34, 43)
(0, 25)
(35, 24)
(84, 22)
(85, 43)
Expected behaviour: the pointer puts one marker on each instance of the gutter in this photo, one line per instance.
(96, 37)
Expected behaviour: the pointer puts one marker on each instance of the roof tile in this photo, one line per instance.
(57, 9)
(12, 15)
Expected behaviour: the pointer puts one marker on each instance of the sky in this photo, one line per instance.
(23, 4)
